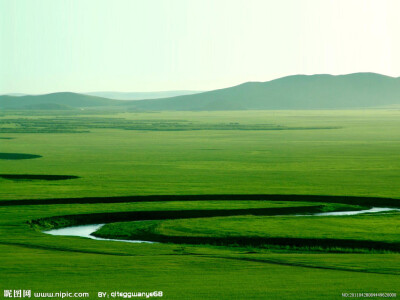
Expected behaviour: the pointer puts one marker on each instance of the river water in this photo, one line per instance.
(356, 212)
(87, 230)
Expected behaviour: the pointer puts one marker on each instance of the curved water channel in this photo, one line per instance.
(86, 231)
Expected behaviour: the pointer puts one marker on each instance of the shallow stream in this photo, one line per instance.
(87, 230)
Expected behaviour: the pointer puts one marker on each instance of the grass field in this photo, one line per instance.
(215, 170)
(348, 231)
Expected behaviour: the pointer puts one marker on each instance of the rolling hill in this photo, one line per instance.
(54, 101)
(358, 90)
(140, 95)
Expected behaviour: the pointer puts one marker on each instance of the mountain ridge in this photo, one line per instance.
(140, 95)
(293, 92)
(321, 91)
(71, 99)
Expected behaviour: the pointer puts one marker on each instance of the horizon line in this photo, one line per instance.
(21, 94)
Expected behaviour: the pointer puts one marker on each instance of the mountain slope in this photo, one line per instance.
(64, 99)
(357, 90)
(140, 95)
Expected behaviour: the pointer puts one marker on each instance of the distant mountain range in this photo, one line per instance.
(141, 96)
(358, 90)
(63, 101)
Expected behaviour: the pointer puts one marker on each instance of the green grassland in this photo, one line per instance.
(216, 171)
(30, 258)
(348, 231)
(360, 158)
(365, 227)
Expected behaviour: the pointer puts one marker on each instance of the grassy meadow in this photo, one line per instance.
(218, 240)
(341, 227)
(359, 158)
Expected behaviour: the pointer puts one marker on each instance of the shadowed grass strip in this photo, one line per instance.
(336, 245)
(12, 156)
(17, 177)
(97, 218)
(351, 200)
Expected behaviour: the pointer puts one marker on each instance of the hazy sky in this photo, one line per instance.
(156, 45)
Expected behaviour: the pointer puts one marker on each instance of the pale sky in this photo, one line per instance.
(157, 45)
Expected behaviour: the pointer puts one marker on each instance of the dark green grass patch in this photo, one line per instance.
(62, 124)
(18, 177)
(330, 203)
(11, 156)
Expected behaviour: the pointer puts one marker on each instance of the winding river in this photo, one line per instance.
(86, 231)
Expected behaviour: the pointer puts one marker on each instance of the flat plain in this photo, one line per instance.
(228, 186)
